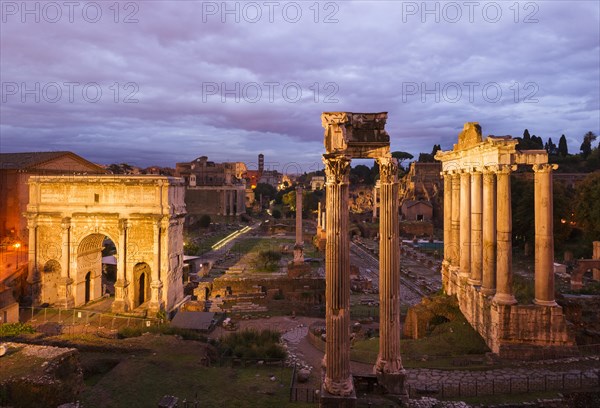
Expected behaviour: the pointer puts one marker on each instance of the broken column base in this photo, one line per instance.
(394, 385)
(335, 401)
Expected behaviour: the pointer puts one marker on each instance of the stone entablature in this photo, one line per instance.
(69, 218)
(477, 265)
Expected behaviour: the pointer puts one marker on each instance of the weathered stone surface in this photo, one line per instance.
(31, 374)
(69, 218)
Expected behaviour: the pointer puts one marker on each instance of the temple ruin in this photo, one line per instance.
(477, 265)
(69, 218)
(347, 136)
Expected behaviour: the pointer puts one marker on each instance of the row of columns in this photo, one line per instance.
(388, 368)
(478, 230)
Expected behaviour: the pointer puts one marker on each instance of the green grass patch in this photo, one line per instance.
(127, 332)
(252, 344)
(15, 329)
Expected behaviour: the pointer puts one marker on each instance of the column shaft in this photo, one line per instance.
(476, 229)
(455, 227)
(299, 247)
(447, 216)
(504, 278)
(544, 236)
(121, 302)
(65, 294)
(488, 285)
(389, 363)
(465, 224)
(338, 380)
(374, 202)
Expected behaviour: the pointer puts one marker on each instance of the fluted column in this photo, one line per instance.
(455, 226)
(488, 284)
(504, 277)
(299, 247)
(544, 235)
(388, 367)
(465, 224)
(318, 216)
(375, 202)
(121, 302)
(447, 215)
(156, 297)
(476, 229)
(65, 290)
(338, 380)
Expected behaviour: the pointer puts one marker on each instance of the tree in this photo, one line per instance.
(401, 156)
(586, 146)
(264, 189)
(563, 149)
(276, 214)
(268, 260)
(587, 206)
(551, 147)
(360, 174)
(526, 135)
(204, 221)
(436, 148)
(537, 142)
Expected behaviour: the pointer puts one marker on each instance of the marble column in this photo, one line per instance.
(476, 229)
(318, 216)
(338, 380)
(299, 247)
(65, 290)
(488, 284)
(375, 201)
(465, 224)
(388, 367)
(156, 297)
(504, 276)
(455, 226)
(544, 235)
(121, 302)
(447, 215)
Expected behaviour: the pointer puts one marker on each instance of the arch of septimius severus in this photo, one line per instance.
(347, 136)
(477, 265)
(69, 217)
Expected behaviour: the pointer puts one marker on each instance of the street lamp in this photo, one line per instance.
(17, 246)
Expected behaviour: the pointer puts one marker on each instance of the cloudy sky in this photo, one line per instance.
(156, 82)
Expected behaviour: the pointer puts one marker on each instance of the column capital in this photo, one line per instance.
(65, 223)
(544, 168)
(506, 168)
(123, 224)
(32, 221)
(388, 169)
(337, 168)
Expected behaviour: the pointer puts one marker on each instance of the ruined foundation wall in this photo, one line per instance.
(510, 329)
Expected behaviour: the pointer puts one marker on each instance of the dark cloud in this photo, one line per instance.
(167, 81)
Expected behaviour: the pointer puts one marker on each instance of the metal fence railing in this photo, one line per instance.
(81, 321)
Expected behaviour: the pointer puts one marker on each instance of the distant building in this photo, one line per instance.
(15, 170)
(317, 183)
(412, 210)
(213, 188)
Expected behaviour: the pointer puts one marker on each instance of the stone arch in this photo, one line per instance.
(142, 278)
(51, 274)
(88, 272)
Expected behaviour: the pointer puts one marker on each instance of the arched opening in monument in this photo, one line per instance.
(50, 281)
(90, 279)
(141, 284)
